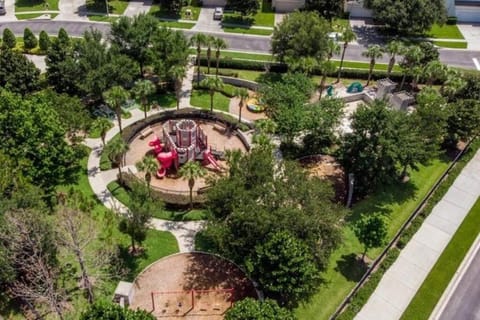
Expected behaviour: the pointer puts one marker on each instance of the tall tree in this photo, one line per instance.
(141, 90)
(191, 171)
(393, 48)
(412, 56)
(212, 84)
(149, 166)
(373, 52)
(115, 151)
(242, 95)
(17, 73)
(327, 8)
(348, 36)
(409, 16)
(177, 73)
(209, 43)
(301, 35)
(326, 68)
(371, 231)
(249, 308)
(115, 97)
(102, 125)
(245, 7)
(435, 70)
(198, 40)
(464, 120)
(44, 41)
(218, 44)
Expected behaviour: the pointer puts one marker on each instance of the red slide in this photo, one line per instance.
(208, 157)
(166, 160)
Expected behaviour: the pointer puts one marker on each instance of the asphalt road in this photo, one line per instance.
(464, 303)
(457, 58)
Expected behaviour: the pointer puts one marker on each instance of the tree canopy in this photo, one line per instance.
(251, 309)
(245, 7)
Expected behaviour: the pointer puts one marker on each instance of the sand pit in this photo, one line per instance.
(190, 286)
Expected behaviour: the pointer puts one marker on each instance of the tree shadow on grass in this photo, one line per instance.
(351, 267)
(238, 20)
(130, 262)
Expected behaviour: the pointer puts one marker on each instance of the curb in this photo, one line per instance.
(452, 286)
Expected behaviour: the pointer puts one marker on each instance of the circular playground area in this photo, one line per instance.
(190, 286)
(175, 142)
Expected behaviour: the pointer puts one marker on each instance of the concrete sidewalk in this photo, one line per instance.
(401, 282)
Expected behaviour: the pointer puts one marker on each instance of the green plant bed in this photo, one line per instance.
(260, 32)
(397, 202)
(201, 99)
(114, 6)
(264, 17)
(177, 25)
(451, 44)
(123, 196)
(445, 32)
(36, 5)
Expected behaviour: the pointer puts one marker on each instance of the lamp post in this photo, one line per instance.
(106, 6)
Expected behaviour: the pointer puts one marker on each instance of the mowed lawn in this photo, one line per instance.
(201, 99)
(445, 32)
(396, 203)
(36, 5)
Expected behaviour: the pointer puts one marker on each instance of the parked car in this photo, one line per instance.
(218, 13)
(3, 11)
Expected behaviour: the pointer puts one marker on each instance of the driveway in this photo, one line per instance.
(10, 8)
(72, 10)
(471, 33)
(137, 6)
(206, 23)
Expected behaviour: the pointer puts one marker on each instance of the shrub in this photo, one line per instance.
(44, 41)
(8, 39)
(29, 39)
(452, 20)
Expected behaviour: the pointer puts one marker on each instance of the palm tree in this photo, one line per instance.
(333, 49)
(453, 83)
(198, 40)
(393, 48)
(102, 125)
(177, 73)
(242, 94)
(373, 52)
(435, 70)
(115, 150)
(326, 67)
(213, 84)
(115, 97)
(148, 165)
(191, 171)
(412, 56)
(348, 36)
(141, 90)
(209, 42)
(218, 44)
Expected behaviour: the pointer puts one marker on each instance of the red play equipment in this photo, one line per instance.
(183, 141)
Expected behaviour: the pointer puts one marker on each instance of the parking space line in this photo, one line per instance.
(476, 63)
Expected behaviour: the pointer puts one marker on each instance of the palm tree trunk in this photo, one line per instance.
(209, 56)
(390, 66)
(403, 81)
(145, 110)
(133, 244)
(341, 63)
(218, 62)
(240, 113)
(211, 100)
(322, 84)
(198, 67)
(191, 198)
(103, 136)
(120, 180)
(372, 64)
(119, 118)
(177, 93)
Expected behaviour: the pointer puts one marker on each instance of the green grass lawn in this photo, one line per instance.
(365, 65)
(340, 24)
(102, 18)
(201, 99)
(161, 13)
(36, 5)
(265, 17)
(237, 55)
(445, 32)
(29, 16)
(165, 100)
(114, 6)
(396, 203)
(178, 25)
(246, 30)
(451, 44)
(124, 197)
(443, 271)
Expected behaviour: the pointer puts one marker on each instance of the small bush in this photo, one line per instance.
(44, 41)
(8, 40)
(29, 40)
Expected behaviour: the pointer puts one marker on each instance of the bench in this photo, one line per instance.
(220, 128)
(146, 132)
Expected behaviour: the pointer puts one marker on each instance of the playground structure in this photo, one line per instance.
(182, 141)
(355, 87)
(253, 105)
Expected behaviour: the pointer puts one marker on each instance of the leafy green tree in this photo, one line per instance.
(242, 95)
(62, 70)
(412, 57)
(371, 231)
(455, 84)
(135, 222)
(102, 125)
(63, 37)
(435, 70)
(141, 90)
(393, 48)
(348, 36)
(115, 97)
(429, 52)
(464, 120)
(301, 35)
(149, 166)
(469, 88)
(177, 73)
(409, 16)
(218, 44)
(44, 41)
(17, 73)
(112, 311)
(327, 8)
(209, 43)
(212, 84)
(373, 52)
(29, 40)
(115, 151)
(8, 39)
(285, 269)
(198, 40)
(245, 7)
(191, 171)
(133, 37)
(170, 48)
(251, 309)
(173, 6)
(326, 67)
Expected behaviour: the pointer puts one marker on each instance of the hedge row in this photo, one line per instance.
(228, 90)
(358, 301)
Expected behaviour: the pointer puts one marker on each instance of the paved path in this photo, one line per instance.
(184, 231)
(460, 299)
(187, 85)
(400, 283)
(137, 6)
